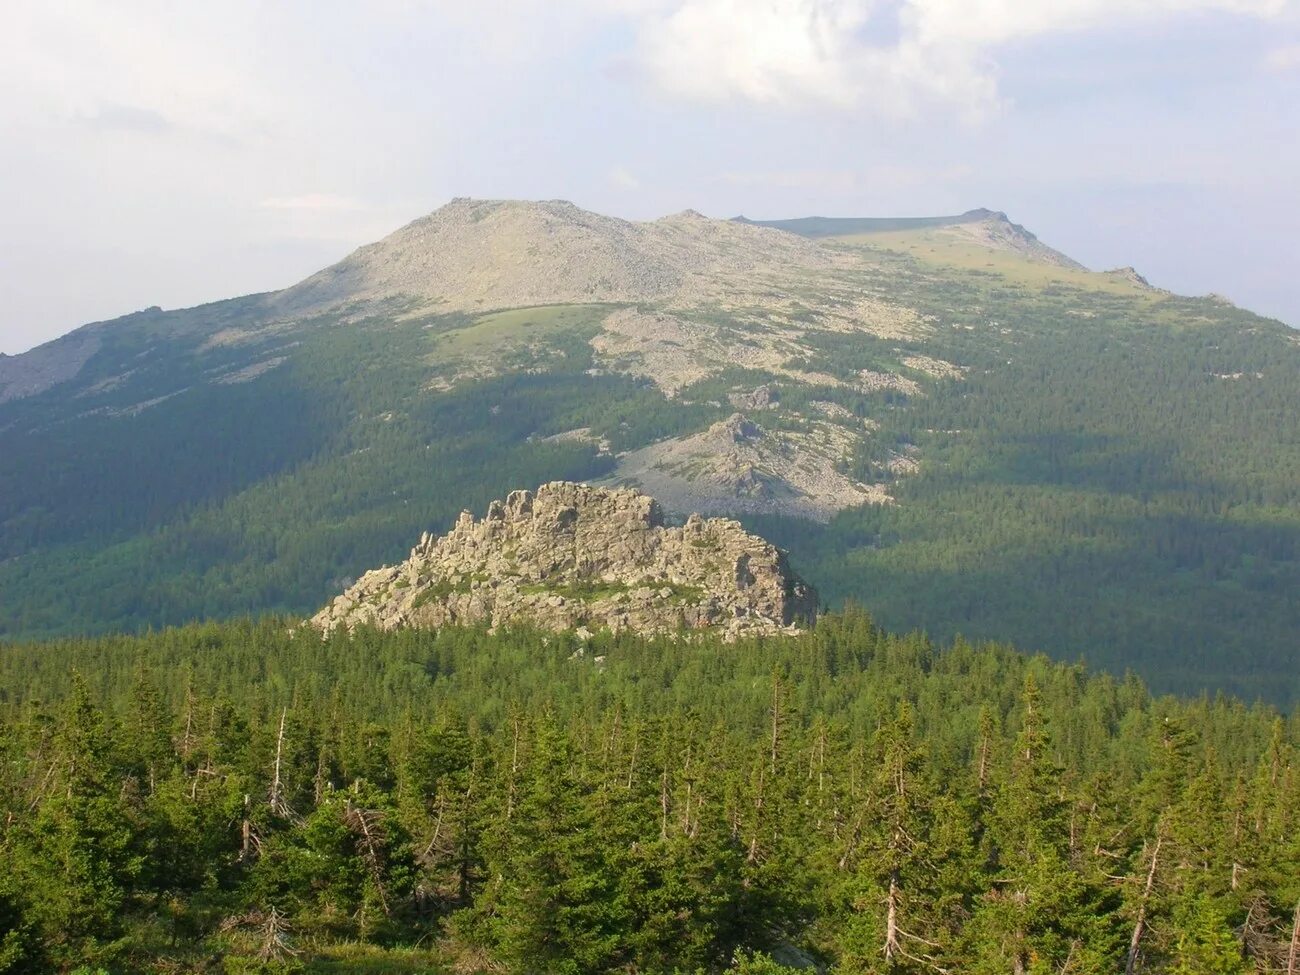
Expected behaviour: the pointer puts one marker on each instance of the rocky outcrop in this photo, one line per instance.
(762, 398)
(1129, 275)
(47, 365)
(573, 556)
(736, 465)
(993, 229)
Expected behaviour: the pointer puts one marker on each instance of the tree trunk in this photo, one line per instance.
(514, 773)
(983, 774)
(246, 830)
(631, 768)
(891, 921)
(276, 798)
(758, 818)
(1139, 926)
(776, 718)
(1293, 956)
(663, 803)
(187, 740)
(690, 792)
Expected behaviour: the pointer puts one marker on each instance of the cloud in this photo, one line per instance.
(995, 21)
(776, 52)
(132, 66)
(125, 118)
(624, 179)
(1282, 59)
(892, 56)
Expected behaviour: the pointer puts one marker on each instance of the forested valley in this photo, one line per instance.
(247, 797)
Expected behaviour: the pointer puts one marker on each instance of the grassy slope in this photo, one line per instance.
(952, 252)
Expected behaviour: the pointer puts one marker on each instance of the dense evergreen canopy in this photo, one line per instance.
(244, 797)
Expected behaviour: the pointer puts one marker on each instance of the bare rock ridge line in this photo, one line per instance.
(475, 256)
(574, 556)
(991, 228)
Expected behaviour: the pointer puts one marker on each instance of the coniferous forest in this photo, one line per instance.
(1093, 484)
(246, 798)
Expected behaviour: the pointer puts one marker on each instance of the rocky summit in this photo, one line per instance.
(573, 556)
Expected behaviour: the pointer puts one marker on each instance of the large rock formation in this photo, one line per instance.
(574, 556)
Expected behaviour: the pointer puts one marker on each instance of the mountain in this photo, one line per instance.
(476, 254)
(944, 420)
(574, 557)
(988, 227)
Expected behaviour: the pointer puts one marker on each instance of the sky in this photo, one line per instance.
(158, 153)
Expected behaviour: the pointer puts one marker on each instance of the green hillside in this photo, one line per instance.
(1104, 471)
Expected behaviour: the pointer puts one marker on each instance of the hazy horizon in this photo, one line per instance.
(174, 156)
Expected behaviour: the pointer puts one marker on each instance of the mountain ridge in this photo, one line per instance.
(652, 259)
(990, 227)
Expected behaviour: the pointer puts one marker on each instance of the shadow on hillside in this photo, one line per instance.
(1191, 603)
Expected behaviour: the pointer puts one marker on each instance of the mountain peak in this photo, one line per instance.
(473, 255)
(982, 213)
(481, 206)
(684, 215)
(995, 230)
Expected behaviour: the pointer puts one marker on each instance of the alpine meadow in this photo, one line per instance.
(861, 584)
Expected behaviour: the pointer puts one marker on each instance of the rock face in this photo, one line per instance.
(736, 465)
(46, 365)
(572, 556)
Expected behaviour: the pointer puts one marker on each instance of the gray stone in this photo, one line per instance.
(573, 556)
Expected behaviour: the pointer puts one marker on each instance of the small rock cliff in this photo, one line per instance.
(572, 556)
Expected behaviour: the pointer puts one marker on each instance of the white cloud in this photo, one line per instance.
(788, 52)
(122, 65)
(978, 22)
(624, 179)
(778, 51)
(1285, 58)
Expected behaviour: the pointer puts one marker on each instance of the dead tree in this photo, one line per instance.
(1139, 926)
(372, 840)
(1293, 956)
(278, 804)
(273, 930)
